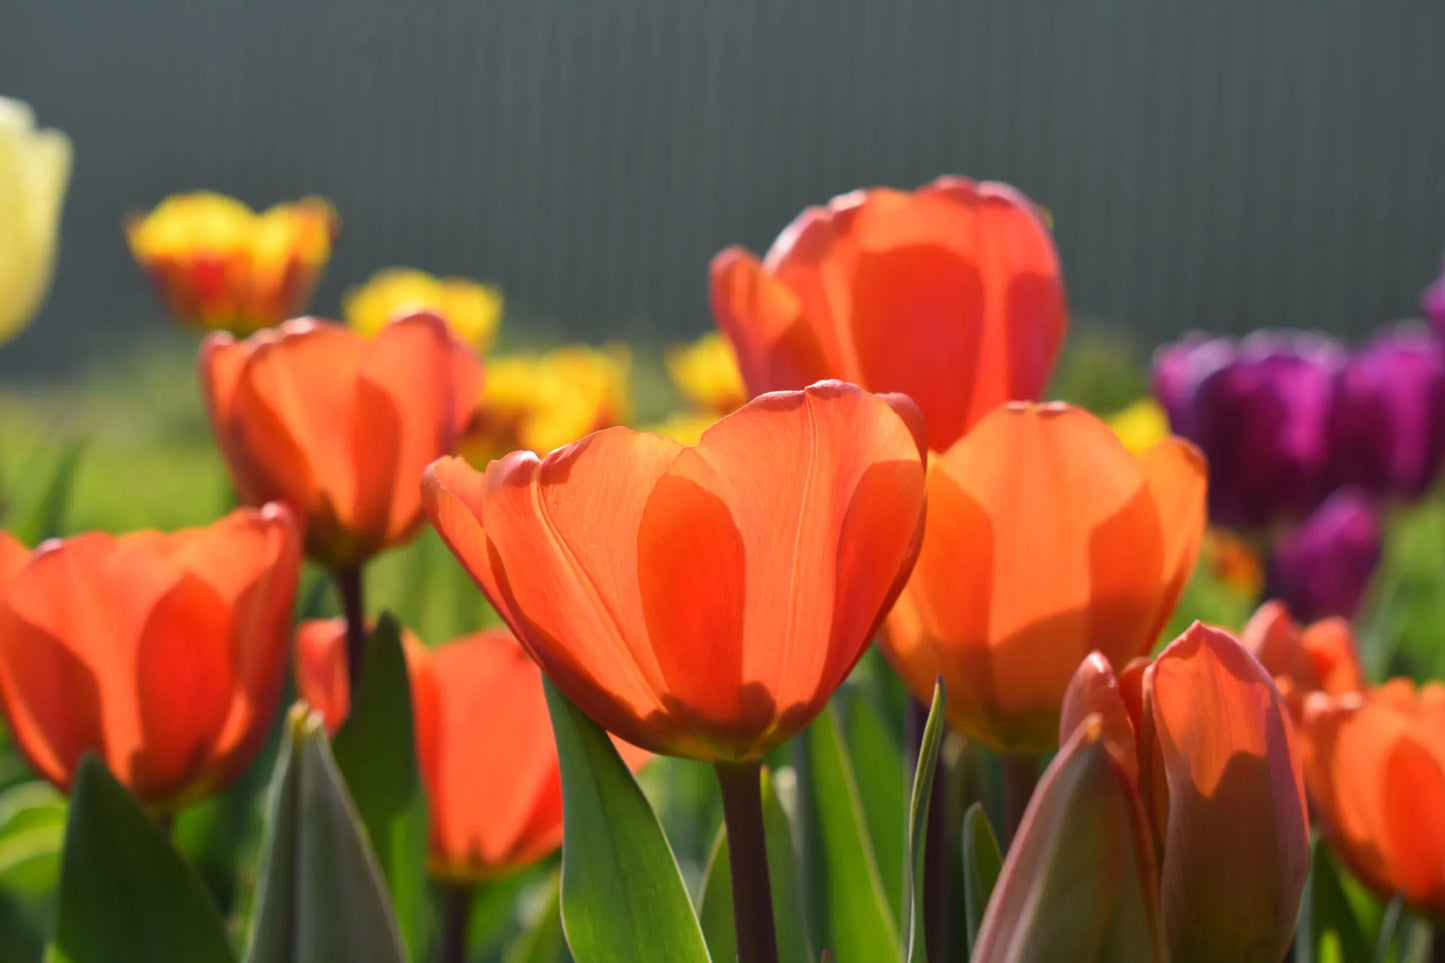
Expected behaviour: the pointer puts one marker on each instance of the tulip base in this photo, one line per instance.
(741, 785)
(353, 609)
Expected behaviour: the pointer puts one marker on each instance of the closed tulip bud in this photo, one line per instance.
(34, 172)
(1387, 426)
(702, 602)
(218, 265)
(1046, 539)
(951, 294)
(339, 426)
(163, 654)
(1219, 776)
(1375, 764)
(1323, 567)
(1259, 409)
(1319, 657)
(1079, 883)
(483, 740)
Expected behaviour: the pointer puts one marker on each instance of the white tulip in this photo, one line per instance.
(34, 171)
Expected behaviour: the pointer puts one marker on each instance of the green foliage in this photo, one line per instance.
(918, 806)
(125, 893)
(322, 896)
(376, 752)
(982, 862)
(622, 894)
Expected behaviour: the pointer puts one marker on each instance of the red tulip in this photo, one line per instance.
(1220, 778)
(340, 426)
(1046, 539)
(484, 744)
(951, 294)
(163, 654)
(1375, 765)
(702, 602)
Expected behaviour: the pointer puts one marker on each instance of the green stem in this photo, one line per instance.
(741, 785)
(353, 608)
(457, 899)
(938, 843)
(1020, 777)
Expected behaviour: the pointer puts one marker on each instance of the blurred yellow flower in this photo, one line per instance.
(541, 402)
(685, 428)
(470, 309)
(1140, 425)
(34, 172)
(219, 265)
(706, 374)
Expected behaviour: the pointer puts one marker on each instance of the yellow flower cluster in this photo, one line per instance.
(705, 373)
(472, 310)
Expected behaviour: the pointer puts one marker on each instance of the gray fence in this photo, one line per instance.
(1225, 164)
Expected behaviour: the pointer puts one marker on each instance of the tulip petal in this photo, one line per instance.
(776, 349)
(1177, 478)
(1094, 692)
(1413, 798)
(1236, 848)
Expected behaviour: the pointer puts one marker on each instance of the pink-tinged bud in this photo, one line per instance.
(1079, 882)
(1233, 823)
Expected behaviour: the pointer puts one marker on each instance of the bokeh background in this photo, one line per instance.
(1220, 165)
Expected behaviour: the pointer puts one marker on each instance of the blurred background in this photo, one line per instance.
(1218, 165)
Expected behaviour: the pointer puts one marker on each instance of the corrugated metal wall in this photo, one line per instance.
(1223, 164)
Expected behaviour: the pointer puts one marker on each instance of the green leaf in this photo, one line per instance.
(982, 862)
(375, 750)
(125, 893)
(322, 896)
(622, 894)
(918, 805)
(542, 940)
(861, 926)
(39, 511)
(878, 756)
(715, 905)
(32, 830)
(1326, 915)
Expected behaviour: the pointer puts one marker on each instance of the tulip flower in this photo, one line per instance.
(1207, 737)
(1323, 567)
(1387, 425)
(1259, 409)
(1046, 539)
(543, 402)
(700, 602)
(1375, 766)
(1432, 304)
(34, 171)
(163, 654)
(218, 265)
(1319, 657)
(472, 311)
(706, 374)
(1140, 425)
(484, 744)
(951, 294)
(339, 426)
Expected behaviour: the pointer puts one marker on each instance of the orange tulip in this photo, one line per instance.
(1375, 766)
(951, 294)
(484, 744)
(340, 426)
(163, 654)
(1209, 737)
(1316, 658)
(1046, 540)
(702, 602)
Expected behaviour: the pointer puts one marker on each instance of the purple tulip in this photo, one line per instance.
(1432, 304)
(1387, 432)
(1323, 567)
(1259, 410)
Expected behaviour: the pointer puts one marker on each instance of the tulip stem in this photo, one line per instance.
(353, 608)
(1020, 777)
(741, 785)
(457, 900)
(938, 844)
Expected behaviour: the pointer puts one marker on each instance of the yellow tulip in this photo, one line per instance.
(34, 171)
(1140, 425)
(472, 310)
(706, 373)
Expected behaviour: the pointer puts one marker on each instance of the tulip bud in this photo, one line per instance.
(1324, 566)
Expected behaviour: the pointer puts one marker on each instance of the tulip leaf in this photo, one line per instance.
(125, 893)
(715, 905)
(982, 862)
(321, 896)
(542, 940)
(877, 751)
(32, 830)
(918, 806)
(375, 750)
(861, 926)
(1326, 915)
(40, 512)
(622, 894)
